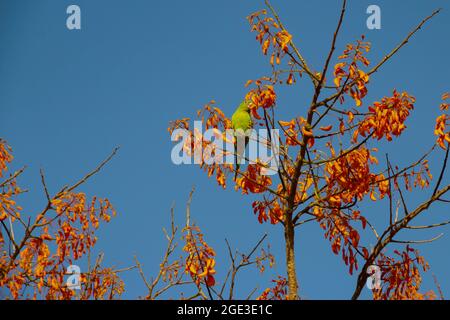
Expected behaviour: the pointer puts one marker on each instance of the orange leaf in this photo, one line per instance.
(327, 128)
(306, 132)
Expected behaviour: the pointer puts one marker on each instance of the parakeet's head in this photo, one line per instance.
(244, 106)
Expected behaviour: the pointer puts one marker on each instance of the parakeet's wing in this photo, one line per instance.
(241, 120)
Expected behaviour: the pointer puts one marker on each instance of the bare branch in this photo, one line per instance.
(441, 174)
(387, 57)
(14, 176)
(405, 41)
(441, 295)
(389, 234)
(419, 241)
(429, 226)
(303, 63)
(96, 170)
(44, 185)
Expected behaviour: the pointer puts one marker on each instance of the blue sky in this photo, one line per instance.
(67, 98)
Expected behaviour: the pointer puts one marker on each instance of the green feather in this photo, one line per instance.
(241, 120)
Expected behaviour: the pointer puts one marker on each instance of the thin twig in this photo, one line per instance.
(419, 241)
(96, 170)
(41, 171)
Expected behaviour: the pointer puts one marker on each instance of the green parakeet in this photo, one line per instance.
(241, 120)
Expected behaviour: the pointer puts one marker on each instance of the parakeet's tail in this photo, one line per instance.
(238, 157)
(236, 172)
(236, 161)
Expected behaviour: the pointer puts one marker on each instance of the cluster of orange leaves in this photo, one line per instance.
(36, 266)
(77, 223)
(262, 259)
(277, 292)
(349, 177)
(271, 209)
(200, 261)
(8, 206)
(268, 209)
(420, 177)
(441, 124)
(213, 118)
(102, 283)
(386, 118)
(252, 180)
(262, 96)
(341, 234)
(401, 277)
(5, 156)
(73, 236)
(270, 35)
(355, 79)
(291, 130)
(274, 40)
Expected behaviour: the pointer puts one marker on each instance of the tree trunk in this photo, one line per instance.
(290, 258)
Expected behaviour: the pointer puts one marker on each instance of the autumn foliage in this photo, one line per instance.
(329, 166)
(329, 163)
(36, 251)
